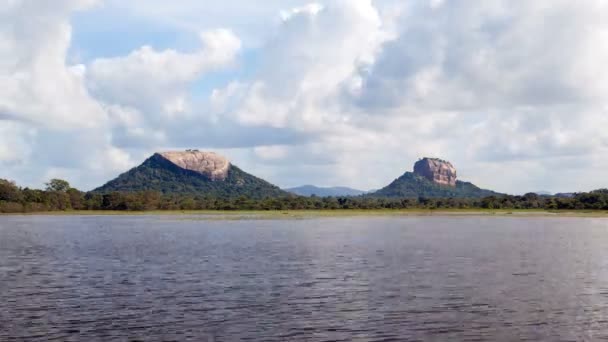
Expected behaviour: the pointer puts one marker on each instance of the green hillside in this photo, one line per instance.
(412, 186)
(159, 174)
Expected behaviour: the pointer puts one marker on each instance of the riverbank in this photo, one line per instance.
(295, 214)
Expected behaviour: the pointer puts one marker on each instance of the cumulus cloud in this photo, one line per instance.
(147, 93)
(46, 108)
(61, 118)
(513, 83)
(37, 86)
(496, 54)
(339, 92)
(314, 52)
(153, 80)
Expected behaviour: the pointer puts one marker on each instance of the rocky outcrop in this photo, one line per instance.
(436, 170)
(209, 164)
(191, 173)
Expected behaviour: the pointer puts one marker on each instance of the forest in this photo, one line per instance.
(60, 196)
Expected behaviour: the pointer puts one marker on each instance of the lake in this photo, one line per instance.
(179, 278)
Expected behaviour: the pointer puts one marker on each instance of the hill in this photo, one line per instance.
(411, 185)
(310, 190)
(193, 173)
(432, 178)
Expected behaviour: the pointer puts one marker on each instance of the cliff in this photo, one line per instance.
(209, 164)
(437, 171)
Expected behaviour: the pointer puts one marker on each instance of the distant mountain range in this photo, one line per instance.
(568, 194)
(208, 174)
(338, 191)
(543, 193)
(559, 194)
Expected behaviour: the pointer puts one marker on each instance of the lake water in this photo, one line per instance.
(171, 278)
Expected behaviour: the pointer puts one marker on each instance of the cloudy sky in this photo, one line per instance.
(336, 92)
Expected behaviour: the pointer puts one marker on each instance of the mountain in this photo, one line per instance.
(432, 178)
(191, 172)
(309, 190)
(565, 195)
(436, 170)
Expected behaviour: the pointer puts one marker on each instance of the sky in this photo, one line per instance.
(334, 92)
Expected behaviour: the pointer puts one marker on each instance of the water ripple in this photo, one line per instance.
(363, 279)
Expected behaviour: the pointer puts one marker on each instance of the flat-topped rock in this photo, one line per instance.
(209, 164)
(436, 170)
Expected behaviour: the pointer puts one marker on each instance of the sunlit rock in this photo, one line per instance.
(436, 170)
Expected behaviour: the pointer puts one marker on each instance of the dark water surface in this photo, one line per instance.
(338, 279)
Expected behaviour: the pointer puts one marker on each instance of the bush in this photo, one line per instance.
(10, 207)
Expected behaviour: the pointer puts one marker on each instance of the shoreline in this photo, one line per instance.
(296, 214)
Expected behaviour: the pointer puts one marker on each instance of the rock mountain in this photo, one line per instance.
(209, 164)
(192, 172)
(432, 178)
(197, 173)
(437, 171)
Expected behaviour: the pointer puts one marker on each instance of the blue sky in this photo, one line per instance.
(334, 92)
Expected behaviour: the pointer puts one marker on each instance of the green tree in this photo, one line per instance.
(151, 200)
(58, 185)
(76, 199)
(58, 200)
(9, 191)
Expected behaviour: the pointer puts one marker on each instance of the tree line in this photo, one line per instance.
(60, 196)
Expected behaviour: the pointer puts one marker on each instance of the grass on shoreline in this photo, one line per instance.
(295, 214)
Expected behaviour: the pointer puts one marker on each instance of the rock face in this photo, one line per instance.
(436, 170)
(209, 164)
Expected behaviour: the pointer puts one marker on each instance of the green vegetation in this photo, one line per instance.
(157, 174)
(14, 199)
(58, 196)
(57, 185)
(413, 186)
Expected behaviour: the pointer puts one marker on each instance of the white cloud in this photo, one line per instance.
(315, 51)
(14, 138)
(337, 91)
(53, 124)
(45, 108)
(271, 152)
(309, 9)
(497, 54)
(148, 92)
(517, 83)
(159, 80)
(37, 85)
